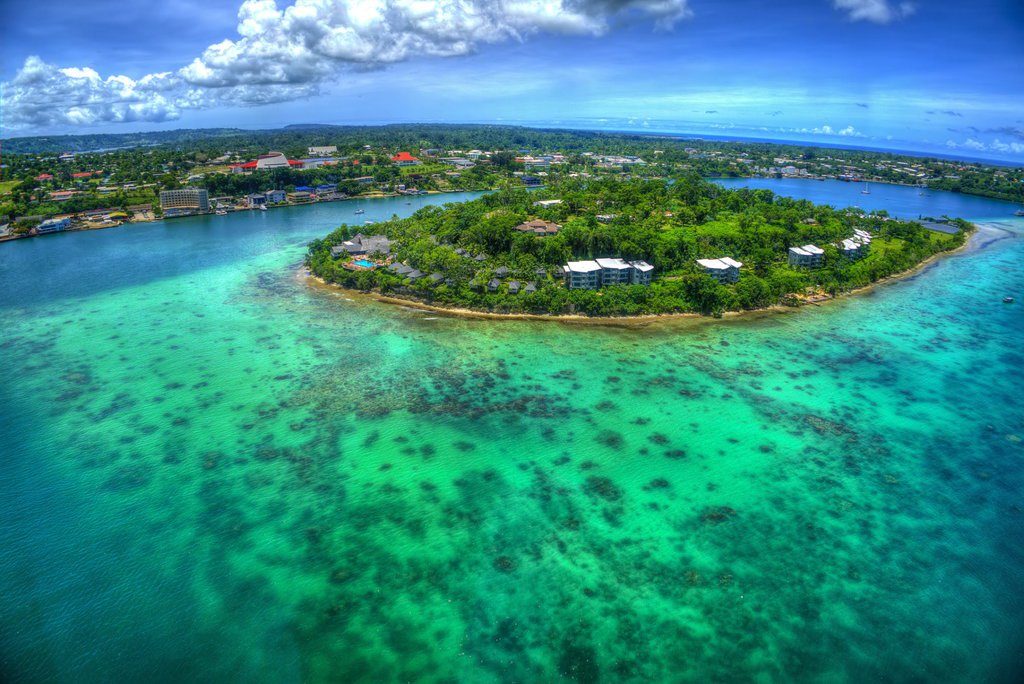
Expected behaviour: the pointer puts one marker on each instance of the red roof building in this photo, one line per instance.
(404, 158)
(44, 177)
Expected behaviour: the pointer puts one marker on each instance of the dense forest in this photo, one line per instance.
(668, 224)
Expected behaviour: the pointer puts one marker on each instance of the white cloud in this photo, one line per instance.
(825, 129)
(877, 11)
(41, 94)
(996, 145)
(285, 54)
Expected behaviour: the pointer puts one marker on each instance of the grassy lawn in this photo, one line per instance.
(222, 168)
(7, 186)
(423, 169)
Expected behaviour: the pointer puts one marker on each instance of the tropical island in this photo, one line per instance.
(608, 247)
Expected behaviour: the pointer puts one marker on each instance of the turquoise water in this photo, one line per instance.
(213, 471)
(364, 263)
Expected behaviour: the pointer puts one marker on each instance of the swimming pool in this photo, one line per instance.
(364, 263)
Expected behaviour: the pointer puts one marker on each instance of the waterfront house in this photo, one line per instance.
(435, 278)
(539, 227)
(532, 181)
(530, 288)
(256, 200)
(808, 256)
(513, 287)
(53, 225)
(415, 275)
(275, 196)
(724, 270)
(401, 269)
(582, 275)
(300, 196)
(493, 285)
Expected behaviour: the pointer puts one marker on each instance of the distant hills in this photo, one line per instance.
(394, 135)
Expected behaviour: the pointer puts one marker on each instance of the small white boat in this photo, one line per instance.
(263, 207)
(1019, 212)
(865, 191)
(221, 212)
(360, 211)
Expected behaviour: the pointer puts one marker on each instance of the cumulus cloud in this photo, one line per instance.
(42, 94)
(995, 145)
(287, 53)
(876, 11)
(825, 129)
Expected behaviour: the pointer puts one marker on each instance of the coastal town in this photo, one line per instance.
(43, 193)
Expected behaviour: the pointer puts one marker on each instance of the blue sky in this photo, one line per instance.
(928, 75)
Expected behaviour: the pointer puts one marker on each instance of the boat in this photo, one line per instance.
(1019, 212)
(221, 212)
(1007, 300)
(865, 191)
(263, 207)
(360, 211)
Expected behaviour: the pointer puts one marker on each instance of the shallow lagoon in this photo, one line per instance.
(213, 470)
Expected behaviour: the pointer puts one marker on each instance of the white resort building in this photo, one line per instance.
(856, 247)
(724, 270)
(582, 275)
(808, 255)
(591, 275)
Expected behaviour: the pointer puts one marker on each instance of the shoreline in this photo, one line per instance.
(370, 196)
(643, 320)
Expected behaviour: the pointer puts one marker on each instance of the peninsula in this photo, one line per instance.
(607, 247)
